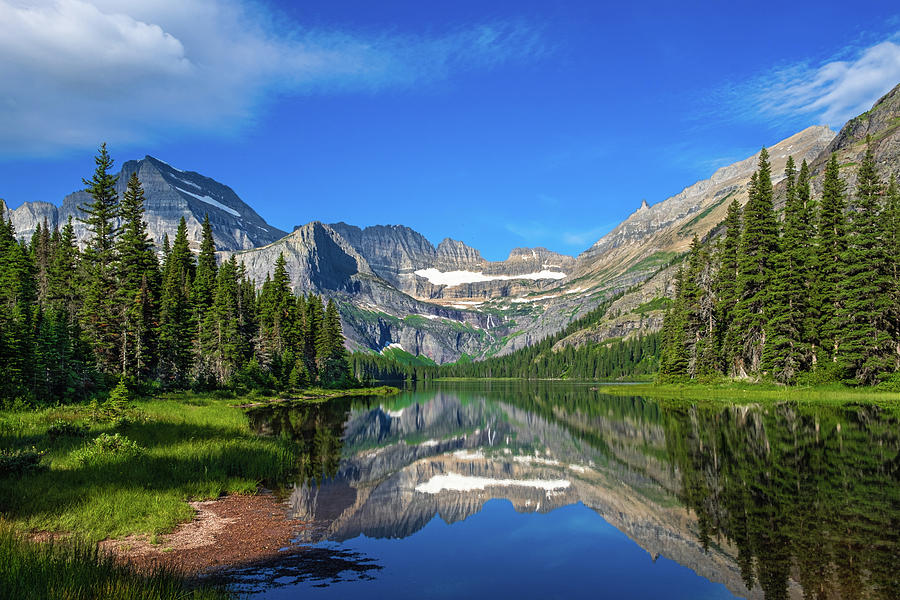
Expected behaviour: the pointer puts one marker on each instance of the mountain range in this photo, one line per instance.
(396, 289)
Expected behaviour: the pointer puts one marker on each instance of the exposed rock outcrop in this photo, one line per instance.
(169, 195)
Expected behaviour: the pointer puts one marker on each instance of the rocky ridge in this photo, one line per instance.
(169, 194)
(816, 144)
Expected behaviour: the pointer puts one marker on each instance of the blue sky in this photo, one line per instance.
(502, 124)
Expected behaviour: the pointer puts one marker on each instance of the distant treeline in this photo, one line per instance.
(812, 297)
(72, 322)
(615, 359)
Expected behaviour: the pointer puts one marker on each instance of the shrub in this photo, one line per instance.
(62, 428)
(107, 447)
(19, 462)
(890, 384)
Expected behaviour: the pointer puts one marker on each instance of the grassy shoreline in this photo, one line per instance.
(101, 477)
(745, 392)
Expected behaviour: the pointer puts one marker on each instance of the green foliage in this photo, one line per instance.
(19, 461)
(758, 249)
(816, 303)
(78, 570)
(66, 429)
(106, 447)
(189, 447)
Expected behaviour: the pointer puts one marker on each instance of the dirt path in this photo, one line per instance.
(229, 531)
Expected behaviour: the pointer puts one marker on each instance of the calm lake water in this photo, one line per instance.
(546, 490)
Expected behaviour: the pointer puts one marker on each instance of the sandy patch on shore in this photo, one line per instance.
(232, 530)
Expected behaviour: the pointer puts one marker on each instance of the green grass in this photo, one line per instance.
(655, 304)
(406, 358)
(75, 570)
(654, 261)
(686, 227)
(191, 447)
(732, 392)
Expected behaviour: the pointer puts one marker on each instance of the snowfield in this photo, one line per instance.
(453, 278)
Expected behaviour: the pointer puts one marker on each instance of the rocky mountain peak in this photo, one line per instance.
(169, 195)
(455, 255)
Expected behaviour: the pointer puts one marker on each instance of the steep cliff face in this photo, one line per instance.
(375, 313)
(170, 194)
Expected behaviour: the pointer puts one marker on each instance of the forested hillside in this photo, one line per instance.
(74, 321)
(812, 296)
(616, 359)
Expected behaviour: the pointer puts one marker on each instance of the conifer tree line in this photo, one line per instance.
(615, 359)
(73, 321)
(812, 296)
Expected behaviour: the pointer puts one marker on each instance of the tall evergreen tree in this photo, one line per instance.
(892, 237)
(759, 245)
(176, 330)
(331, 357)
(785, 353)
(202, 293)
(830, 247)
(312, 323)
(18, 297)
(726, 292)
(40, 257)
(674, 361)
(806, 259)
(865, 349)
(98, 315)
(138, 285)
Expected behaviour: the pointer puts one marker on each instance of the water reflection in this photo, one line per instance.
(779, 502)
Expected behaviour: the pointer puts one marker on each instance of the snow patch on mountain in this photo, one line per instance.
(454, 278)
(212, 202)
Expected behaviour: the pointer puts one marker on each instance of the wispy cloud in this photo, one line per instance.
(834, 91)
(585, 238)
(535, 233)
(127, 71)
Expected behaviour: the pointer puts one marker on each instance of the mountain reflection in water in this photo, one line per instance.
(783, 501)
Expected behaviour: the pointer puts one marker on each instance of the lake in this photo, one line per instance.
(556, 490)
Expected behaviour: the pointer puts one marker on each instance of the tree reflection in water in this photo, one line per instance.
(808, 493)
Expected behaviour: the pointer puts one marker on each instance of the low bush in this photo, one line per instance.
(62, 428)
(18, 462)
(107, 447)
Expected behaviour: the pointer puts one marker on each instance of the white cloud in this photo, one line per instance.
(77, 72)
(835, 91)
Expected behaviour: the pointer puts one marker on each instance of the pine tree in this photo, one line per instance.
(40, 257)
(892, 236)
(312, 323)
(224, 345)
(331, 357)
(674, 360)
(98, 313)
(759, 245)
(17, 316)
(138, 286)
(865, 349)
(785, 353)
(176, 330)
(203, 290)
(830, 247)
(726, 292)
(806, 259)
